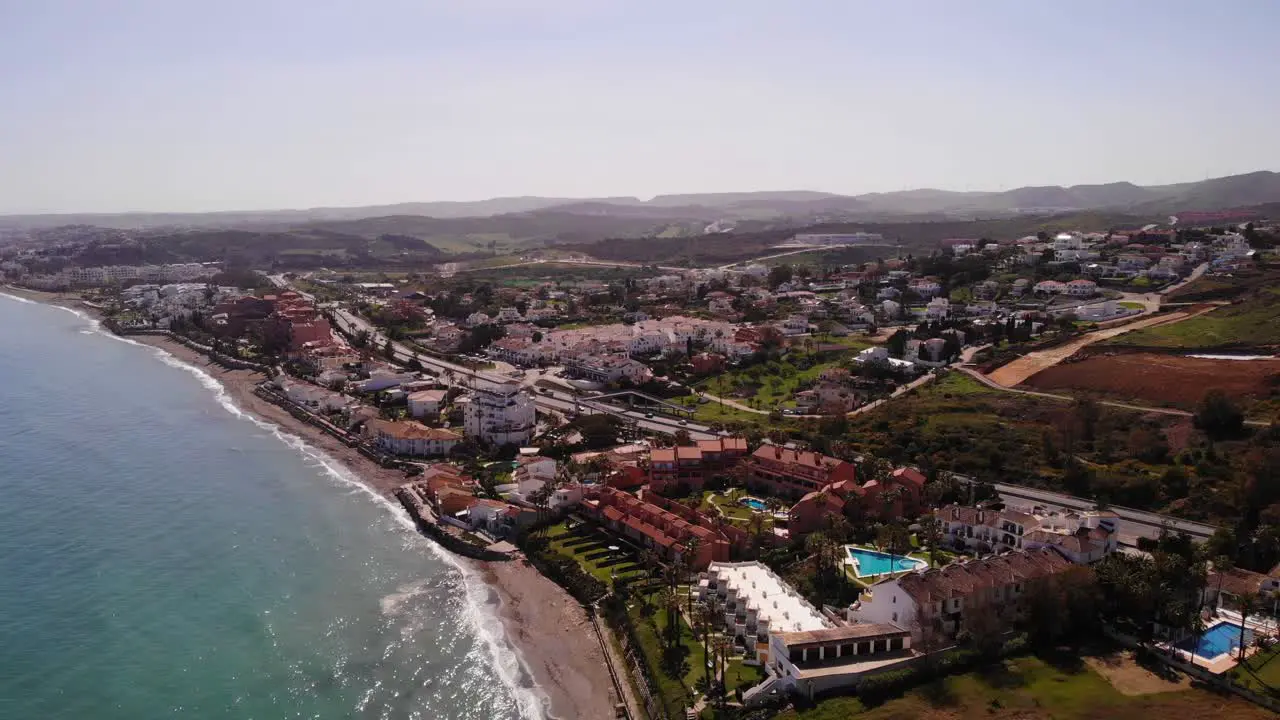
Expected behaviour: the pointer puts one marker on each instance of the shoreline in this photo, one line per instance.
(547, 626)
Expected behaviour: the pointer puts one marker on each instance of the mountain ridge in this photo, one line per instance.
(1244, 189)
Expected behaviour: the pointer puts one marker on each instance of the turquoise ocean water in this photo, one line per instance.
(163, 555)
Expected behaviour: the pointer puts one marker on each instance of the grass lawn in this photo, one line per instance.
(676, 671)
(1256, 321)
(740, 675)
(1030, 688)
(713, 412)
(1131, 305)
(1265, 667)
(954, 384)
(590, 548)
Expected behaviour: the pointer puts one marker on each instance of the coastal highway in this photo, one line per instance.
(558, 401)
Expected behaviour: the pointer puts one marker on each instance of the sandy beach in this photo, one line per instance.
(550, 628)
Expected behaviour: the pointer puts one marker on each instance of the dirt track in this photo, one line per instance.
(1018, 371)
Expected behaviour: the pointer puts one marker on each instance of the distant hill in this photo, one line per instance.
(513, 223)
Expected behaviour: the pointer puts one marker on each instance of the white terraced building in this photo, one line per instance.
(802, 651)
(757, 602)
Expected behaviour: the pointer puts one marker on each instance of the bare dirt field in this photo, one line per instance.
(1024, 367)
(1130, 678)
(1160, 380)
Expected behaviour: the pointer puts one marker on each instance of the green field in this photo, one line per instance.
(1253, 322)
(769, 385)
(1029, 688)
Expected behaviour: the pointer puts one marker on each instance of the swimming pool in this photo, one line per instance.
(754, 503)
(1217, 640)
(872, 562)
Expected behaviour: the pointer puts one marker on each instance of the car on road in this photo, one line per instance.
(648, 415)
(683, 422)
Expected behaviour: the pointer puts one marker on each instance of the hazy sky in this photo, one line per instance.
(115, 105)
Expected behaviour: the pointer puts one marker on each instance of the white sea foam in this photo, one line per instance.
(480, 616)
(18, 298)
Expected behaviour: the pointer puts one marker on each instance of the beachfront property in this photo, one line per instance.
(1081, 537)
(936, 599)
(499, 413)
(803, 650)
(685, 468)
(657, 527)
(409, 437)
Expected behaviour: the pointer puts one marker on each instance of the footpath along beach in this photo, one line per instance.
(556, 641)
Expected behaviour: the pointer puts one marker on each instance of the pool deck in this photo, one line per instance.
(1217, 664)
(857, 569)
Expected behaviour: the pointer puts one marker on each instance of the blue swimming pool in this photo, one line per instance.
(1219, 639)
(872, 562)
(754, 504)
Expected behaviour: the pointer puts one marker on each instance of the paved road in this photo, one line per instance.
(556, 400)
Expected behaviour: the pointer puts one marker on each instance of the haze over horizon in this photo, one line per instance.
(145, 105)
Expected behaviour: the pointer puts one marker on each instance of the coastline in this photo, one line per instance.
(550, 629)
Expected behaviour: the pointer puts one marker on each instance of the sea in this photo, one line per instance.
(165, 555)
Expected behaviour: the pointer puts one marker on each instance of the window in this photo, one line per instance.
(895, 599)
(895, 617)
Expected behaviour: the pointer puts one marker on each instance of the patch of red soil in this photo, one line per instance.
(1160, 380)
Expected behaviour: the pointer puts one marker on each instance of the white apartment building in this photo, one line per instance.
(802, 651)
(754, 601)
(499, 413)
(1082, 537)
(853, 238)
(426, 402)
(412, 438)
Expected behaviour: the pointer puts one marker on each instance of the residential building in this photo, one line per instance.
(1224, 587)
(607, 369)
(426, 403)
(1081, 288)
(925, 287)
(508, 315)
(783, 471)
(811, 662)
(1050, 287)
(680, 469)
(499, 413)
(655, 527)
(872, 500)
(383, 379)
(754, 602)
(1082, 537)
(935, 600)
(412, 438)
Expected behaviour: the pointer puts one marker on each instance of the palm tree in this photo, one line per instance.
(649, 561)
(755, 524)
(890, 499)
(721, 650)
(671, 603)
(1248, 603)
(931, 529)
(1221, 565)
